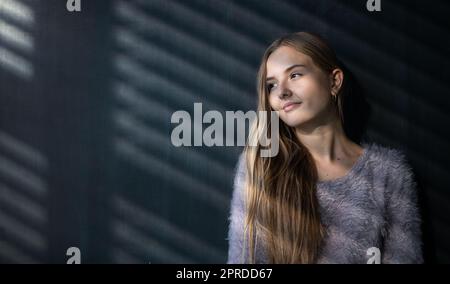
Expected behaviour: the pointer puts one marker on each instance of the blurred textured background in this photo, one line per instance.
(86, 99)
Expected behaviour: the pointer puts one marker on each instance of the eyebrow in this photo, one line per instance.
(287, 69)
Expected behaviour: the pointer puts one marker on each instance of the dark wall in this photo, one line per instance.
(86, 98)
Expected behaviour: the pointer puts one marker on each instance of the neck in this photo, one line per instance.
(326, 142)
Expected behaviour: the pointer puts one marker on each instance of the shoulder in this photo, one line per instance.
(240, 165)
(394, 165)
(240, 170)
(388, 159)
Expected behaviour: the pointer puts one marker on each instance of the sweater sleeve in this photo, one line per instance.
(402, 236)
(237, 217)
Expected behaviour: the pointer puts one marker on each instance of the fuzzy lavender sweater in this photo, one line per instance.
(373, 205)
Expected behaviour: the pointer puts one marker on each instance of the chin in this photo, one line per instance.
(293, 122)
(298, 122)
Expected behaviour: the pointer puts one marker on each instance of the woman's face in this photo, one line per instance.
(298, 89)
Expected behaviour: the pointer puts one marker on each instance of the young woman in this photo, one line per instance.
(323, 198)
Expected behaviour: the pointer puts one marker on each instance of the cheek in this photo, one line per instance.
(273, 102)
(315, 93)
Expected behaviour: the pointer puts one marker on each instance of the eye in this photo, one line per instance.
(295, 75)
(270, 86)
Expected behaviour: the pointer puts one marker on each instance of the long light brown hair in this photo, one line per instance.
(282, 206)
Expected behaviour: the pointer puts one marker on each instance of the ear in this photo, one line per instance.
(336, 79)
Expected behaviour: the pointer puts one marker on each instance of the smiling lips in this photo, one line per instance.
(290, 106)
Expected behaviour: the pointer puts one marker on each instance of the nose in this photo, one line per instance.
(284, 93)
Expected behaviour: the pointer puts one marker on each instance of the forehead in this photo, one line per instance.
(284, 57)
